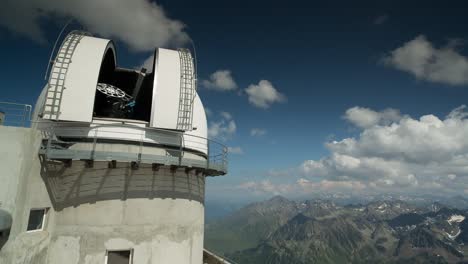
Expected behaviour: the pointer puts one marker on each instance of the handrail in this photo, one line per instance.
(77, 142)
(219, 256)
(94, 125)
(54, 47)
(15, 114)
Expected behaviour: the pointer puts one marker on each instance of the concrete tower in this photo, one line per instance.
(113, 169)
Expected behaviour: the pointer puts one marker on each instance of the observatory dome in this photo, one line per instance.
(89, 97)
(85, 76)
(123, 157)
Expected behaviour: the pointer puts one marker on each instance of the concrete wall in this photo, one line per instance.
(22, 188)
(158, 213)
(18, 155)
(158, 231)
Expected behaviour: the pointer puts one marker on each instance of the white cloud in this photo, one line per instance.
(380, 19)
(236, 150)
(257, 132)
(141, 24)
(208, 112)
(403, 154)
(266, 187)
(224, 128)
(226, 115)
(420, 58)
(458, 113)
(300, 188)
(326, 186)
(280, 173)
(364, 117)
(263, 94)
(220, 80)
(148, 64)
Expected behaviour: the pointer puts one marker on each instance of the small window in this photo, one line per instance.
(119, 257)
(37, 218)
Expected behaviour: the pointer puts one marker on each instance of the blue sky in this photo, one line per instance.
(322, 58)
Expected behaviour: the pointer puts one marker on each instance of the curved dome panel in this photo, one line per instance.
(73, 78)
(197, 139)
(166, 89)
(174, 90)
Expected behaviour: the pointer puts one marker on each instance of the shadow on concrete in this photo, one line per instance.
(4, 234)
(5, 224)
(81, 182)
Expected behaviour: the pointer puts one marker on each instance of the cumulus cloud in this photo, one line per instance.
(266, 187)
(300, 187)
(424, 154)
(426, 62)
(364, 117)
(220, 80)
(452, 176)
(224, 128)
(327, 185)
(208, 112)
(257, 132)
(280, 173)
(263, 94)
(226, 115)
(148, 64)
(141, 24)
(235, 150)
(380, 19)
(392, 154)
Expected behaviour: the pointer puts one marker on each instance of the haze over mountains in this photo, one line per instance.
(279, 230)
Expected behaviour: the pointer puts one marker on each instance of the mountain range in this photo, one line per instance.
(279, 230)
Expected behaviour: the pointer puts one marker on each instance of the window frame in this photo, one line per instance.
(44, 218)
(130, 261)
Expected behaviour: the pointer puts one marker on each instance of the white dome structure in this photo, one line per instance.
(122, 162)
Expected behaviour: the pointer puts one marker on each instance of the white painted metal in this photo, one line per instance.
(137, 133)
(56, 83)
(187, 90)
(77, 87)
(197, 139)
(166, 89)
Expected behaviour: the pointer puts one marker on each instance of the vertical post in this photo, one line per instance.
(29, 113)
(181, 148)
(49, 142)
(94, 144)
(23, 116)
(141, 148)
(207, 154)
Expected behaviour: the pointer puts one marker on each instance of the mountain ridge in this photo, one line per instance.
(279, 230)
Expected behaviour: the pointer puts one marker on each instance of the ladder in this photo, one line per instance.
(187, 91)
(58, 74)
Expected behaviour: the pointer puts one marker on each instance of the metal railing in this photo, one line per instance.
(123, 142)
(13, 114)
(219, 257)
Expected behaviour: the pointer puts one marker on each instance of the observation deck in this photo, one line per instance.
(129, 143)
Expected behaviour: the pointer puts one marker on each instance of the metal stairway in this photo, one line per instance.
(58, 74)
(187, 91)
